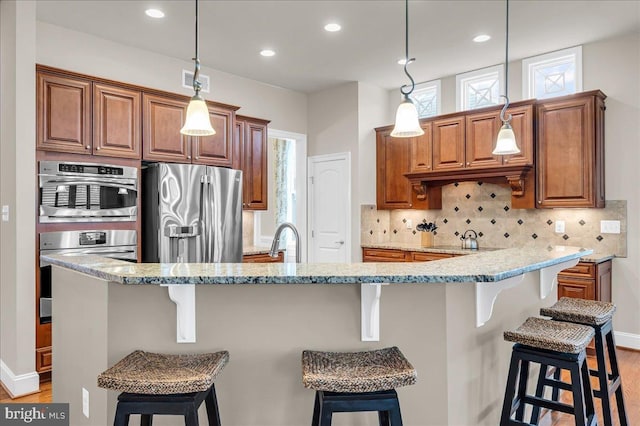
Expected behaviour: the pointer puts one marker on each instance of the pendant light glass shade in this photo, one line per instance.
(407, 122)
(506, 143)
(197, 122)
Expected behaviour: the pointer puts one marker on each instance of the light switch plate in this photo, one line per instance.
(610, 226)
(409, 224)
(85, 402)
(560, 226)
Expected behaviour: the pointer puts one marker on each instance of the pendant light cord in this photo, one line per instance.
(196, 83)
(506, 73)
(407, 61)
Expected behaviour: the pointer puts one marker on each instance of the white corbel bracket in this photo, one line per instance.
(184, 296)
(549, 276)
(370, 311)
(486, 293)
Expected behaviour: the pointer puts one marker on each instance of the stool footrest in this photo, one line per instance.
(551, 405)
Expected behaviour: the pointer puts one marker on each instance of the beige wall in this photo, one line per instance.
(17, 179)
(71, 50)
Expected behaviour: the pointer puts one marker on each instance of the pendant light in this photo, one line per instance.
(197, 122)
(506, 142)
(407, 122)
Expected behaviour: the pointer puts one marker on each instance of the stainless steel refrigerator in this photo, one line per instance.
(191, 213)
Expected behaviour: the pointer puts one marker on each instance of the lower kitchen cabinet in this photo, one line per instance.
(44, 359)
(395, 255)
(263, 258)
(591, 281)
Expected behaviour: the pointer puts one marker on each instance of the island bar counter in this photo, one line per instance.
(265, 315)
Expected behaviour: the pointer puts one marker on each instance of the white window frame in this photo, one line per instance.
(528, 64)
(437, 84)
(461, 80)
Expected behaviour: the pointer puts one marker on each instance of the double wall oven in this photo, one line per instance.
(84, 206)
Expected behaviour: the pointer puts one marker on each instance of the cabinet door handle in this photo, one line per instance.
(188, 157)
(506, 160)
(98, 149)
(197, 158)
(87, 147)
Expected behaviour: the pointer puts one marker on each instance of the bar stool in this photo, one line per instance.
(357, 381)
(548, 343)
(598, 315)
(165, 384)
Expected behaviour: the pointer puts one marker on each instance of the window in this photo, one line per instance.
(480, 88)
(552, 74)
(426, 97)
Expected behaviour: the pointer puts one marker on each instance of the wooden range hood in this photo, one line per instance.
(427, 185)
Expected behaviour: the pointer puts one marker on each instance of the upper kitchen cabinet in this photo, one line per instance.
(77, 114)
(116, 121)
(162, 119)
(251, 139)
(448, 143)
(63, 113)
(394, 158)
(216, 150)
(570, 151)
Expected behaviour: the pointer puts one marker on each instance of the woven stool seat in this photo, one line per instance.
(357, 372)
(582, 311)
(157, 374)
(551, 335)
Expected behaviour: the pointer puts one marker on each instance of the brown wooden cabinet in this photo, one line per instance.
(162, 119)
(421, 150)
(392, 162)
(586, 280)
(449, 143)
(216, 150)
(263, 258)
(116, 121)
(570, 151)
(396, 255)
(63, 114)
(251, 139)
(481, 131)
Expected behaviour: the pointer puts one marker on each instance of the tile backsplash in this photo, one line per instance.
(247, 229)
(486, 208)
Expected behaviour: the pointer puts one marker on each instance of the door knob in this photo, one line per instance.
(340, 242)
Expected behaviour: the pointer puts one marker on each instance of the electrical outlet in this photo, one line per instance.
(560, 226)
(610, 226)
(85, 402)
(5, 213)
(409, 224)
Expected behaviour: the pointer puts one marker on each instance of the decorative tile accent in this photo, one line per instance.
(404, 220)
(480, 234)
(480, 208)
(456, 208)
(445, 221)
(456, 233)
(479, 183)
(493, 221)
(582, 222)
(395, 231)
(506, 235)
(520, 221)
(493, 195)
(371, 232)
(549, 222)
(378, 220)
(506, 208)
(599, 238)
(565, 237)
(414, 232)
(468, 221)
(456, 184)
(534, 236)
(467, 196)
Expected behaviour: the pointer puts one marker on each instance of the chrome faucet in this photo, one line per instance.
(276, 240)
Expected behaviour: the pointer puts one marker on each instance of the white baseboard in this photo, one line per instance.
(627, 340)
(22, 384)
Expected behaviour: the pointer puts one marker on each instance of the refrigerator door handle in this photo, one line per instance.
(202, 218)
(211, 224)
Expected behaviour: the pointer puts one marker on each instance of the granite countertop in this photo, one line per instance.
(249, 250)
(596, 257)
(483, 267)
(435, 249)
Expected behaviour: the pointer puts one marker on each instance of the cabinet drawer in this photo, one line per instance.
(382, 255)
(419, 256)
(577, 288)
(263, 258)
(43, 359)
(582, 269)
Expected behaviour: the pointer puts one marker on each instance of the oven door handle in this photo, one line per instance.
(130, 254)
(131, 186)
(104, 252)
(51, 211)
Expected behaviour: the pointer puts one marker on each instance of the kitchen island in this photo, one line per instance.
(446, 316)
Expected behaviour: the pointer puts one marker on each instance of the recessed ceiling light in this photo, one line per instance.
(154, 13)
(482, 38)
(332, 27)
(267, 52)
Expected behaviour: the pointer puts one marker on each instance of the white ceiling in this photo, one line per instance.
(371, 41)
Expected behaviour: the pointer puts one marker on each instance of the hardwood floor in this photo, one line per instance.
(629, 363)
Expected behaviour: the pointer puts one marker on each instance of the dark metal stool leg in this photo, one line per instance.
(510, 390)
(615, 373)
(383, 418)
(522, 388)
(191, 417)
(122, 418)
(555, 393)
(588, 393)
(211, 403)
(535, 414)
(146, 420)
(394, 415)
(601, 374)
(315, 421)
(578, 390)
(325, 415)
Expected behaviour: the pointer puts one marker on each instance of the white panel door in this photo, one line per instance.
(330, 208)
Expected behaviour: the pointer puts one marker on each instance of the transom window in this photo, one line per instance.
(426, 97)
(552, 74)
(479, 88)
